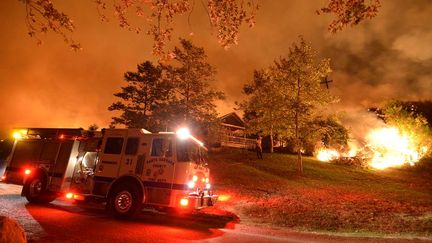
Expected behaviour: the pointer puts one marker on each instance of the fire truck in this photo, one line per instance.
(127, 169)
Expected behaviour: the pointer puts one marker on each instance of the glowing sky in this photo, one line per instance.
(52, 86)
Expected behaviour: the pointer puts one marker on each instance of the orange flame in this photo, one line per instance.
(391, 147)
(327, 154)
(224, 198)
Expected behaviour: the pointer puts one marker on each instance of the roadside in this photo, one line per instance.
(330, 199)
(65, 222)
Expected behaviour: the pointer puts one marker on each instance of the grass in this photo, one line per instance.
(328, 197)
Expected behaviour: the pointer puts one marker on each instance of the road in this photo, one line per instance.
(63, 221)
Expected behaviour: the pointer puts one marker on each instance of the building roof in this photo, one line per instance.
(232, 120)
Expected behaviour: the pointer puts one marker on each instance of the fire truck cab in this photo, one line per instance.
(125, 168)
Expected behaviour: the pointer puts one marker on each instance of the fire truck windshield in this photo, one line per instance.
(188, 150)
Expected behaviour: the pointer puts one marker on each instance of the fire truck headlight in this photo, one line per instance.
(19, 134)
(183, 133)
(191, 184)
(194, 178)
(208, 186)
(184, 202)
(3, 178)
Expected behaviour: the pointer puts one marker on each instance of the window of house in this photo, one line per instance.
(113, 146)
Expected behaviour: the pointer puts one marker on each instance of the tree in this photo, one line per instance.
(286, 96)
(349, 12)
(42, 16)
(409, 123)
(146, 94)
(226, 16)
(301, 76)
(263, 111)
(333, 134)
(165, 96)
(91, 130)
(193, 101)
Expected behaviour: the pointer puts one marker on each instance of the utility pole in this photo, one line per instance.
(326, 81)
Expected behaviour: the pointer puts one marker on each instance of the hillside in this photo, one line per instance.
(328, 198)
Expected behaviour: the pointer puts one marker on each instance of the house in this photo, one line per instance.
(233, 132)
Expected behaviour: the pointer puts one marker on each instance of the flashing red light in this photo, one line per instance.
(27, 172)
(3, 178)
(69, 195)
(62, 136)
(184, 202)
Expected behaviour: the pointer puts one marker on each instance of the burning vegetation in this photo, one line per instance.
(404, 139)
(392, 147)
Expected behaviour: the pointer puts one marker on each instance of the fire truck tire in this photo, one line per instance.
(35, 191)
(125, 201)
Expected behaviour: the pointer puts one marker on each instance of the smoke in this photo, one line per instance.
(389, 57)
(415, 46)
(359, 123)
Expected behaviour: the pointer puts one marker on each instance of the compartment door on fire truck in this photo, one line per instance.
(112, 149)
(129, 160)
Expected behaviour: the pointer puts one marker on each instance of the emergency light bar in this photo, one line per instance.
(21, 133)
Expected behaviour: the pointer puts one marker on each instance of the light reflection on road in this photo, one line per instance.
(63, 221)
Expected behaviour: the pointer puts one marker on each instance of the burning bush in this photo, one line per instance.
(405, 138)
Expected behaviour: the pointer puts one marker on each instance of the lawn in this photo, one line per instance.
(327, 198)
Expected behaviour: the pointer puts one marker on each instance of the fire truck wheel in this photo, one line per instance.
(124, 201)
(35, 191)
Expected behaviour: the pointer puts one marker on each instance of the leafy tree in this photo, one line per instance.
(193, 101)
(42, 16)
(165, 96)
(423, 108)
(146, 93)
(327, 132)
(263, 111)
(333, 133)
(409, 123)
(350, 12)
(226, 16)
(286, 96)
(300, 75)
(416, 108)
(91, 130)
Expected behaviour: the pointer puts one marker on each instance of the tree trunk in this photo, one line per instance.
(297, 135)
(298, 147)
(299, 161)
(271, 141)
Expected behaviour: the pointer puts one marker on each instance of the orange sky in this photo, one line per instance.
(52, 86)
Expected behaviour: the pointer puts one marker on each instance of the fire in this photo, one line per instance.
(386, 147)
(224, 198)
(390, 147)
(327, 154)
